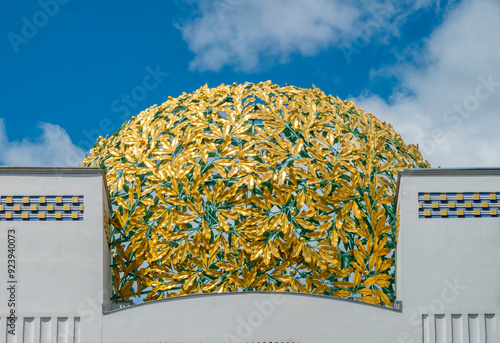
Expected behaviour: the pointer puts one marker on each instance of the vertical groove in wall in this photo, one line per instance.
(440, 327)
(490, 324)
(425, 329)
(70, 336)
(457, 332)
(473, 328)
(76, 330)
(29, 330)
(41, 330)
(10, 338)
(62, 330)
(465, 328)
(45, 330)
(3, 327)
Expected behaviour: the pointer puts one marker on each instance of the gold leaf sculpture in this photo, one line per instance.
(254, 187)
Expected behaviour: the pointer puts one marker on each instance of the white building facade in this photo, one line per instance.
(55, 274)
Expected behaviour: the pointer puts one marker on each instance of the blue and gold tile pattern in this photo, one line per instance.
(459, 205)
(41, 207)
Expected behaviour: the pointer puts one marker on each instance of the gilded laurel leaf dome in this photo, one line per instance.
(254, 187)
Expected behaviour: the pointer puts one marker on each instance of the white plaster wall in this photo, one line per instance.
(448, 279)
(59, 264)
(449, 268)
(252, 317)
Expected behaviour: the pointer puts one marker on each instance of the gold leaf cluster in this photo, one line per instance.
(254, 187)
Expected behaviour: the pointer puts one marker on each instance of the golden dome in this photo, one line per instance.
(254, 187)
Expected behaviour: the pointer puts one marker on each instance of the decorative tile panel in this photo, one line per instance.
(41, 207)
(459, 205)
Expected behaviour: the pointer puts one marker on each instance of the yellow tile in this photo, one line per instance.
(81, 208)
(26, 200)
(475, 197)
(58, 215)
(468, 204)
(58, 200)
(41, 215)
(442, 197)
(444, 213)
(477, 212)
(67, 207)
(75, 200)
(50, 207)
(493, 197)
(435, 205)
(427, 213)
(451, 205)
(427, 197)
(460, 212)
(17, 208)
(8, 200)
(33, 208)
(493, 212)
(1, 208)
(460, 197)
(41, 200)
(420, 205)
(484, 204)
(74, 215)
(25, 215)
(8, 215)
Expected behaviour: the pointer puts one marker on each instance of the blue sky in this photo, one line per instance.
(74, 70)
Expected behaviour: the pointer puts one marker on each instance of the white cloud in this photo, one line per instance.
(52, 148)
(245, 34)
(441, 102)
(449, 107)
